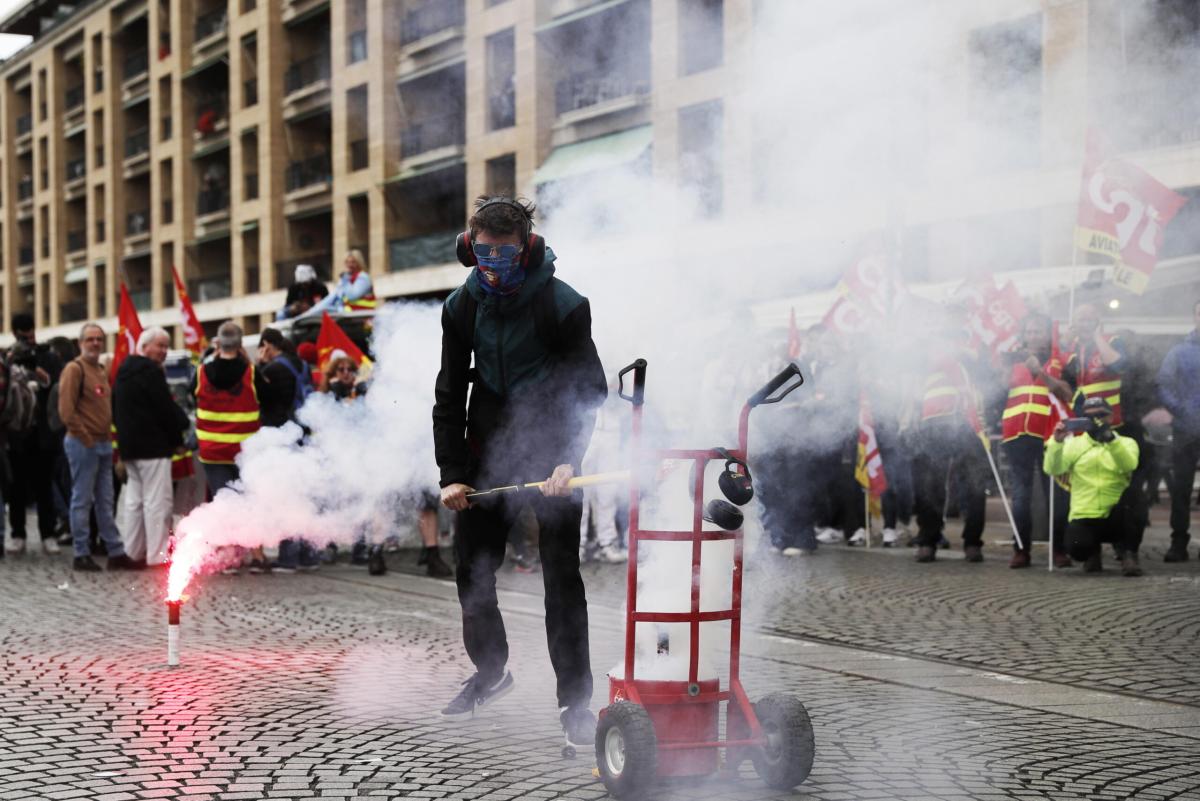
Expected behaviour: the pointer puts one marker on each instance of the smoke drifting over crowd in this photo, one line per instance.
(844, 123)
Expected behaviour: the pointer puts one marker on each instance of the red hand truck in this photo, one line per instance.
(657, 729)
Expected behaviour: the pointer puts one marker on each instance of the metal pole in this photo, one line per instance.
(1050, 528)
(867, 513)
(1074, 279)
(1004, 498)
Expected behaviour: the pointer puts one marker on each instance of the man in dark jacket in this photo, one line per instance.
(286, 377)
(1179, 390)
(150, 427)
(538, 382)
(33, 454)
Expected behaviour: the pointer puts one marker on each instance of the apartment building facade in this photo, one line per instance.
(234, 139)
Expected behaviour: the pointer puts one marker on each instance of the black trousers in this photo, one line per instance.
(479, 547)
(33, 471)
(942, 447)
(1133, 509)
(1024, 457)
(1085, 536)
(1185, 453)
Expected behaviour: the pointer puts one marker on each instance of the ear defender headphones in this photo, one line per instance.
(534, 251)
(737, 487)
(724, 514)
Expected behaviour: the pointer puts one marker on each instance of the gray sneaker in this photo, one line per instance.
(579, 726)
(476, 694)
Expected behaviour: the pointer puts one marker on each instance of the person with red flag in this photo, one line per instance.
(1034, 376)
(85, 407)
(331, 339)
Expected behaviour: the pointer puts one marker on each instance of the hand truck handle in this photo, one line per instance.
(639, 383)
(764, 394)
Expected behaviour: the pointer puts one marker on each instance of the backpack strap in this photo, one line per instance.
(545, 318)
(464, 317)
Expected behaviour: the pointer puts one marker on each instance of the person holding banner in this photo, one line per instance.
(1027, 423)
(1100, 464)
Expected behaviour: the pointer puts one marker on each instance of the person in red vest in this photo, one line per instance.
(1035, 375)
(947, 445)
(227, 412)
(1096, 368)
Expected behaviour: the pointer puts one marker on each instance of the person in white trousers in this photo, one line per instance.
(150, 428)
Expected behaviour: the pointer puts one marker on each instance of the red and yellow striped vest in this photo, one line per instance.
(224, 418)
(1028, 408)
(1095, 379)
(947, 390)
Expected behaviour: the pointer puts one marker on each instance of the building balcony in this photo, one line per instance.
(306, 86)
(76, 242)
(212, 210)
(76, 169)
(135, 67)
(584, 96)
(101, 231)
(25, 255)
(250, 188)
(250, 93)
(137, 153)
(297, 10)
(420, 251)
(211, 26)
(72, 104)
(213, 288)
(433, 137)
(137, 231)
(25, 190)
(25, 277)
(430, 20)
(307, 185)
(24, 139)
(212, 119)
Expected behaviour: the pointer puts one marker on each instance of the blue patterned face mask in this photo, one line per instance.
(500, 269)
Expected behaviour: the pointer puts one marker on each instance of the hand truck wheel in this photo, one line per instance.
(787, 758)
(626, 750)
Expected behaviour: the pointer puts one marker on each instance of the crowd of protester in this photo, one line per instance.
(1084, 419)
(1079, 411)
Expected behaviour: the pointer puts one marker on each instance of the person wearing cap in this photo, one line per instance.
(305, 292)
(228, 412)
(1100, 463)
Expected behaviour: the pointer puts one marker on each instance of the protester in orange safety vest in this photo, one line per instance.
(947, 445)
(227, 411)
(1034, 375)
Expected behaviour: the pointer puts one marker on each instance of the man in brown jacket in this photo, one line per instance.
(85, 406)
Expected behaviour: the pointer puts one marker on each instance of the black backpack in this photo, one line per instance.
(545, 317)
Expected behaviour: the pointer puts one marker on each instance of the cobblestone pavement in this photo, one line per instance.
(949, 681)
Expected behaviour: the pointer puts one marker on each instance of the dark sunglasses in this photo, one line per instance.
(508, 252)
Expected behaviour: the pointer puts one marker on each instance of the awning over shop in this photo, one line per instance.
(594, 155)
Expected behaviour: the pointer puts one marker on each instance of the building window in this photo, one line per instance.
(501, 86)
(1005, 74)
(701, 35)
(700, 155)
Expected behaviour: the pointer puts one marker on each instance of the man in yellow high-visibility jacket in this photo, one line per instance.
(1100, 463)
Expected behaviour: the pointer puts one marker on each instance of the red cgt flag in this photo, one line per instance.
(331, 337)
(129, 328)
(193, 333)
(869, 469)
(1123, 212)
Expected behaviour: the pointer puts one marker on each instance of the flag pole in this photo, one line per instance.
(867, 513)
(1004, 498)
(1050, 528)
(1074, 277)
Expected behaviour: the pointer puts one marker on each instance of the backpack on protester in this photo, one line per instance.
(20, 400)
(304, 385)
